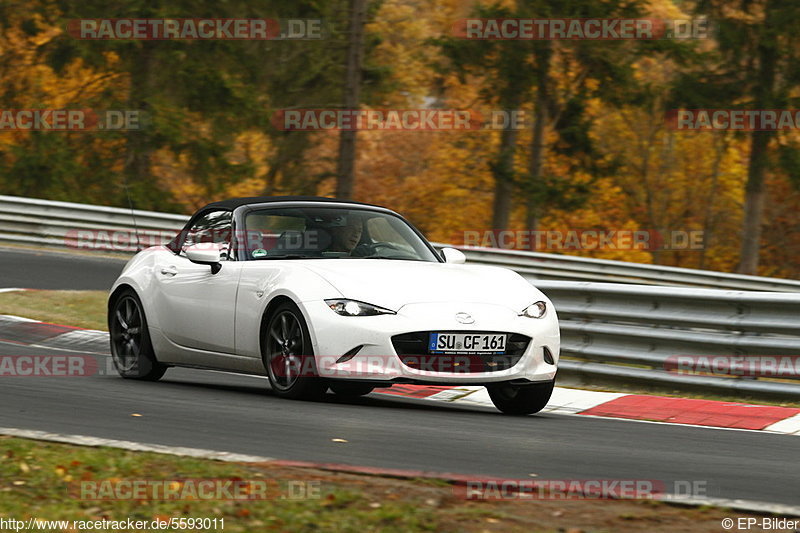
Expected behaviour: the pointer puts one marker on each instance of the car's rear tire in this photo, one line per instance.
(351, 389)
(520, 400)
(288, 355)
(131, 349)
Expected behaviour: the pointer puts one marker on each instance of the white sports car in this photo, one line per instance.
(319, 293)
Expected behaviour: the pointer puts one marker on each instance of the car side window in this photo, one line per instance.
(212, 227)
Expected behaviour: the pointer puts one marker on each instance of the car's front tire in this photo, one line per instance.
(131, 349)
(288, 355)
(520, 400)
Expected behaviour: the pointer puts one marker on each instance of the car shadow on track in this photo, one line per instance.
(248, 385)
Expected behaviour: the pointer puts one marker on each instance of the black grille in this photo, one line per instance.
(412, 348)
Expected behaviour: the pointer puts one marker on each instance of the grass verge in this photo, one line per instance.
(41, 480)
(82, 309)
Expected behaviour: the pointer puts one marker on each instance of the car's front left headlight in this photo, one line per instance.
(535, 310)
(355, 308)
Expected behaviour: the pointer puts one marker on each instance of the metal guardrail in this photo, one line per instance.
(548, 266)
(37, 222)
(611, 332)
(635, 334)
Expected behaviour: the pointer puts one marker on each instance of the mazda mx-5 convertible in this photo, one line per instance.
(319, 293)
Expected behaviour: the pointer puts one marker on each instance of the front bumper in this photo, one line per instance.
(376, 359)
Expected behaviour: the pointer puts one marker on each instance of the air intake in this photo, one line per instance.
(350, 354)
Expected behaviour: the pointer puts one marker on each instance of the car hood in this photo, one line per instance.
(393, 283)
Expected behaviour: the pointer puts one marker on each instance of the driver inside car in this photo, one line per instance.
(346, 237)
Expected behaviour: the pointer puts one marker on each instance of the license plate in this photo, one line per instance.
(467, 343)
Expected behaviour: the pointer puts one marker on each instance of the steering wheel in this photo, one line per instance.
(387, 249)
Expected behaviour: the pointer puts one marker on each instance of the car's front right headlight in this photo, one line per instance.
(535, 310)
(356, 308)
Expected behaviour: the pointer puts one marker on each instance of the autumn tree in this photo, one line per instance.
(756, 65)
(558, 78)
(504, 70)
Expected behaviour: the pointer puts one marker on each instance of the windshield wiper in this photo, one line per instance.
(286, 256)
(389, 257)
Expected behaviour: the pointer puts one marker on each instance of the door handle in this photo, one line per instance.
(169, 271)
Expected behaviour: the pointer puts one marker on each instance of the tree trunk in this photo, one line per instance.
(538, 142)
(138, 145)
(503, 171)
(720, 148)
(352, 88)
(536, 162)
(501, 208)
(759, 143)
(754, 203)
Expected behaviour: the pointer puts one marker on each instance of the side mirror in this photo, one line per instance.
(205, 254)
(451, 255)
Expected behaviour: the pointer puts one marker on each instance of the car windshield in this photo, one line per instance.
(331, 233)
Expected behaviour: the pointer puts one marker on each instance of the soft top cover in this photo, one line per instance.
(233, 203)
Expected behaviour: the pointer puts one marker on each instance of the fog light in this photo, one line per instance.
(548, 357)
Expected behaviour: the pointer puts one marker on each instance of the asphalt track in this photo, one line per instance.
(225, 412)
(46, 269)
